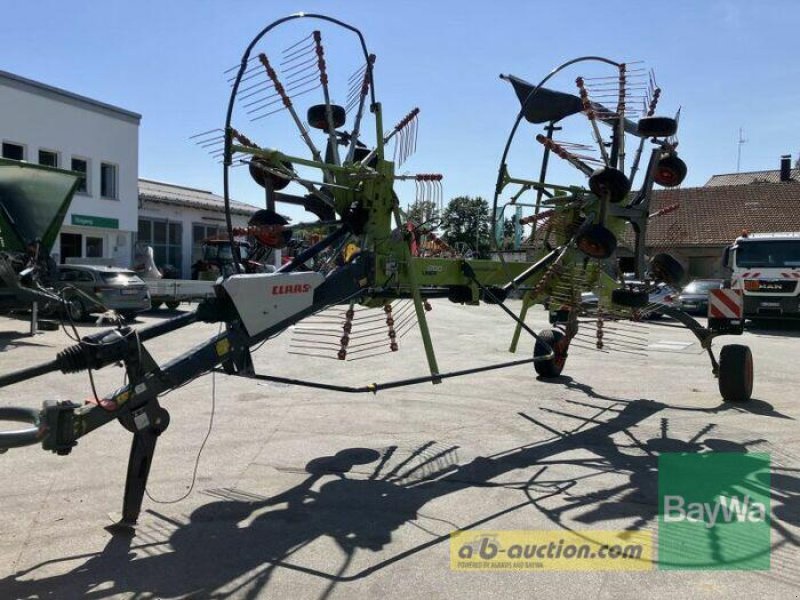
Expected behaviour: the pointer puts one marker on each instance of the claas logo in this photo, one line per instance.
(299, 288)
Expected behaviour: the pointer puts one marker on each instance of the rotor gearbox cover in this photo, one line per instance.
(664, 267)
(609, 183)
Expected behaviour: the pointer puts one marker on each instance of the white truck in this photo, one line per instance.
(766, 267)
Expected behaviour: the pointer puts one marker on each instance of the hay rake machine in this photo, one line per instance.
(368, 258)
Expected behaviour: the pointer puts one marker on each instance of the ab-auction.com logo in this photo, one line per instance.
(714, 511)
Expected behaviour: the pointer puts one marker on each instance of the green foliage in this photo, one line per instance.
(423, 212)
(466, 221)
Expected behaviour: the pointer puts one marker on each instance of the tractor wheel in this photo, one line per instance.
(667, 269)
(610, 183)
(172, 304)
(260, 176)
(76, 310)
(650, 127)
(736, 373)
(319, 120)
(551, 368)
(596, 241)
(670, 171)
(155, 304)
(630, 298)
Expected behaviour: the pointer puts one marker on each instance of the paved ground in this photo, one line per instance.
(293, 501)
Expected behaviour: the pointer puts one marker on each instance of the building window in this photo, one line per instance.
(13, 151)
(200, 233)
(165, 237)
(94, 247)
(108, 181)
(81, 165)
(48, 158)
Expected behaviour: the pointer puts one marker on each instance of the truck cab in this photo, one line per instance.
(766, 267)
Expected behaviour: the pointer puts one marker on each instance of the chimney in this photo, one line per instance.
(786, 167)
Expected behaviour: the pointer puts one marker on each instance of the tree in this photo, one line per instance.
(423, 212)
(466, 221)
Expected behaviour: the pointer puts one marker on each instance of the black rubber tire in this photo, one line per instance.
(76, 310)
(666, 268)
(630, 298)
(172, 304)
(318, 119)
(129, 315)
(670, 171)
(261, 177)
(558, 316)
(48, 325)
(736, 373)
(459, 294)
(549, 369)
(498, 293)
(656, 127)
(596, 241)
(156, 304)
(610, 183)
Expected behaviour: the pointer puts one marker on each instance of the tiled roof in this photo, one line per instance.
(752, 177)
(716, 215)
(168, 193)
(711, 216)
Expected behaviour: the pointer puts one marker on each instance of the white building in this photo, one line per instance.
(43, 124)
(175, 220)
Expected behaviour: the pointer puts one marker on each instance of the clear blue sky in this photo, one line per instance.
(729, 64)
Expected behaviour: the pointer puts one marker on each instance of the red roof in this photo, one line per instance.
(713, 216)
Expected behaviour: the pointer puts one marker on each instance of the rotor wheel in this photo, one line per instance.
(550, 339)
(610, 183)
(261, 177)
(736, 373)
(650, 127)
(596, 241)
(670, 171)
(317, 116)
(172, 304)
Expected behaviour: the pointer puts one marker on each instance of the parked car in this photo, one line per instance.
(113, 288)
(660, 294)
(694, 297)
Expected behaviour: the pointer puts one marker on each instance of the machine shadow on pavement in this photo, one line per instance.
(596, 473)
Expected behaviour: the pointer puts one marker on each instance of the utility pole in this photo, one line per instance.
(739, 152)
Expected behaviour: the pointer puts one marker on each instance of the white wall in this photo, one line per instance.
(188, 216)
(40, 122)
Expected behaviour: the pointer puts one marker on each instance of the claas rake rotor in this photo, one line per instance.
(336, 165)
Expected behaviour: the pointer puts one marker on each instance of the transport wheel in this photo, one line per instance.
(736, 373)
(172, 304)
(630, 298)
(260, 176)
(610, 183)
(128, 315)
(550, 338)
(667, 269)
(670, 171)
(156, 305)
(596, 241)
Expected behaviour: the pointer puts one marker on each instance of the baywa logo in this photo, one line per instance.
(714, 511)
